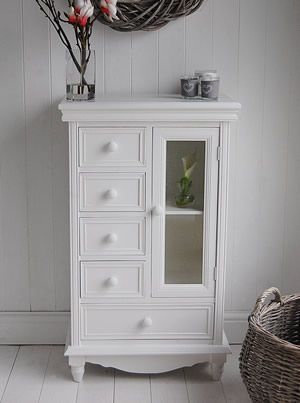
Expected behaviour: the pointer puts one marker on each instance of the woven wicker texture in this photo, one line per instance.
(149, 15)
(270, 355)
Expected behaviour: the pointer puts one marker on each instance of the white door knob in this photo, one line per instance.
(111, 194)
(157, 211)
(112, 282)
(147, 322)
(112, 146)
(111, 238)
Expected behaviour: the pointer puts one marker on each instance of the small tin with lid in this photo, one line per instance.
(209, 81)
(189, 86)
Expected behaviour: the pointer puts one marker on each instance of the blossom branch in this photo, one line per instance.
(81, 16)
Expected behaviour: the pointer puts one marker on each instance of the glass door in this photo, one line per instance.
(184, 215)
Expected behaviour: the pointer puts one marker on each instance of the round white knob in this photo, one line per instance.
(111, 238)
(147, 322)
(112, 146)
(112, 282)
(111, 194)
(158, 210)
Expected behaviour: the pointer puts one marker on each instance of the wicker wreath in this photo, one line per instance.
(149, 15)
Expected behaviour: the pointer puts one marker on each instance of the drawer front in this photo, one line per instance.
(113, 237)
(100, 322)
(112, 192)
(112, 279)
(111, 147)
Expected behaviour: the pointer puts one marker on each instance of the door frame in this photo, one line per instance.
(160, 137)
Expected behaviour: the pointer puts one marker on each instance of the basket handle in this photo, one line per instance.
(267, 293)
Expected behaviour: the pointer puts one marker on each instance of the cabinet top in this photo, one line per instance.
(147, 108)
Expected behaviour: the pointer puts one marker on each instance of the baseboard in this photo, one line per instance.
(33, 327)
(236, 324)
(51, 327)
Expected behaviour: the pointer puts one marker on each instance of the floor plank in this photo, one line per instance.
(41, 374)
(200, 387)
(58, 385)
(233, 386)
(26, 379)
(132, 388)
(7, 358)
(169, 387)
(97, 385)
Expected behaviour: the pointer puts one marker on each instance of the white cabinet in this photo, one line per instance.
(148, 241)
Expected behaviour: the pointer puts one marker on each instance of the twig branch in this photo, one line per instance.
(50, 12)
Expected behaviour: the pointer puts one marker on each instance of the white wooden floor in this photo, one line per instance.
(30, 374)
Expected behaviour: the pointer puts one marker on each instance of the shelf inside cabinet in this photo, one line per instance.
(174, 210)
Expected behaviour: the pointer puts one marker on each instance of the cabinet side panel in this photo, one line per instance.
(73, 156)
(222, 231)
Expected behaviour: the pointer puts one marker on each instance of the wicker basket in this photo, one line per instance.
(270, 356)
(148, 15)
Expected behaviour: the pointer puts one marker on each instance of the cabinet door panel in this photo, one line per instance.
(184, 217)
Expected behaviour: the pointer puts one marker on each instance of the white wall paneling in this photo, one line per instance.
(255, 46)
(246, 167)
(171, 56)
(225, 54)
(37, 85)
(144, 61)
(274, 144)
(14, 264)
(291, 271)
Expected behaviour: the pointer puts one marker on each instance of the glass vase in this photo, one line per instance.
(184, 197)
(80, 75)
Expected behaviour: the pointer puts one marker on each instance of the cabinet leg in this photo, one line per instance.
(77, 373)
(216, 370)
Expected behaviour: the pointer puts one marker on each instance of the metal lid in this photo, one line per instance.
(207, 74)
(210, 76)
(188, 77)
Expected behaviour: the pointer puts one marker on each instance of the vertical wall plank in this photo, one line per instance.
(144, 63)
(97, 43)
(171, 54)
(225, 60)
(117, 67)
(225, 44)
(252, 46)
(199, 39)
(39, 164)
(14, 284)
(60, 194)
(291, 270)
(274, 144)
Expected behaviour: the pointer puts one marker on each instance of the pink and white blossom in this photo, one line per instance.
(78, 4)
(87, 10)
(109, 7)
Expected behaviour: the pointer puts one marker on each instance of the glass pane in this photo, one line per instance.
(183, 249)
(185, 173)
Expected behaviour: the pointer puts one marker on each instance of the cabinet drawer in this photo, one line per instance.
(111, 279)
(111, 147)
(114, 237)
(111, 322)
(112, 192)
